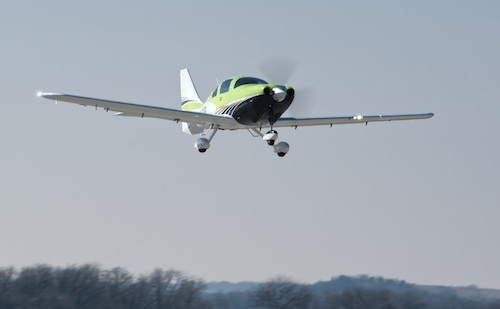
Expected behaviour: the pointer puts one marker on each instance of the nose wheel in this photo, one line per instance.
(270, 137)
(281, 148)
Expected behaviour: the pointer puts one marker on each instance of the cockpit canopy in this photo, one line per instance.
(249, 80)
(225, 85)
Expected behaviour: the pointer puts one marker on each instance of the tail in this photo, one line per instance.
(190, 101)
(189, 96)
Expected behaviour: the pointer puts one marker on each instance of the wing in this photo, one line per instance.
(296, 122)
(137, 110)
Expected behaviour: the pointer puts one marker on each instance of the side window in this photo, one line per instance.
(224, 87)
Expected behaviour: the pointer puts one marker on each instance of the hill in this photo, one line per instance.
(344, 291)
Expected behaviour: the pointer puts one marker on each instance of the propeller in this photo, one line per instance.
(303, 102)
(279, 69)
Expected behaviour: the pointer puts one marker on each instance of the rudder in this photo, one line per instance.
(190, 99)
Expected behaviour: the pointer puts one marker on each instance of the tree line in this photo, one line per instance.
(90, 286)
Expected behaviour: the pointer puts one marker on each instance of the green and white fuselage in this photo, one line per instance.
(250, 101)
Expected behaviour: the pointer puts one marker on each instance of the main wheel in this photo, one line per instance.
(202, 144)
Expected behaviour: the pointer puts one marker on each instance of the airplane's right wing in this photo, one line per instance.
(137, 110)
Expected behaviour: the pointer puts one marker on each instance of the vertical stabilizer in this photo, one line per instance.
(189, 96)
(190, 101)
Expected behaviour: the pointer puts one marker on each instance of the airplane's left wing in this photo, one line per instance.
(137, 110)
(297, 122)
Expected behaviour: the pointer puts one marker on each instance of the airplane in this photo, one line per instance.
(239, 103)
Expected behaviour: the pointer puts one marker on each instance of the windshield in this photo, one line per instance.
(248, 80)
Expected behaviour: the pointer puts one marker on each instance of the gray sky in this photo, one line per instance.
(415, 201)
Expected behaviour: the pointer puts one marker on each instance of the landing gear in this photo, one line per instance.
(270, 137)
(202, 144)
(282, 149)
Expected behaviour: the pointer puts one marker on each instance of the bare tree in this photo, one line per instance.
(282, 293)
(7, 290)
(118, 288)
(173, 289)
(37, 286)
(81, 285)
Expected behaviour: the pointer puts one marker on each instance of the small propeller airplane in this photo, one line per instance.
(237, 103)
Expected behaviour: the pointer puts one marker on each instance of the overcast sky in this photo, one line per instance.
(414, 201)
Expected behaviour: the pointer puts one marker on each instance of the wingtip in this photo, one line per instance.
(46, 95)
